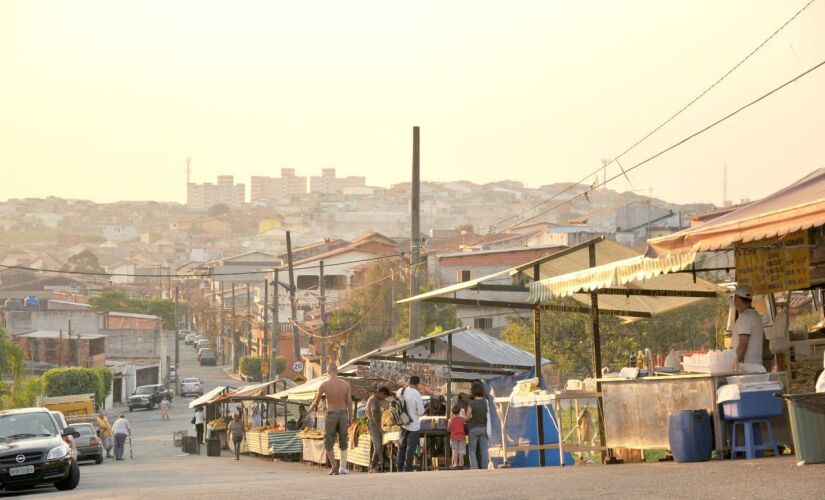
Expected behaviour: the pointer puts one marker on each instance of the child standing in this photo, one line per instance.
(457, 435)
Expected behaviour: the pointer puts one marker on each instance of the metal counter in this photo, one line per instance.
(636, 411)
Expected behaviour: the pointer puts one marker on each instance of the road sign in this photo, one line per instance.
(297, 367)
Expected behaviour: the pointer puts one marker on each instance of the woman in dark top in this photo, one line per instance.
(477, 428)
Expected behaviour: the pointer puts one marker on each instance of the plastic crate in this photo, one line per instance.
(755, 404)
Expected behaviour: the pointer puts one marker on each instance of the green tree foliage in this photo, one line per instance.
(116, 300)
(219, 209)
(106, 378)
(16, 389)
(250, 366)
(84, 261)
(280, 364)
(435, 318)
(75, 380)
(567, 337)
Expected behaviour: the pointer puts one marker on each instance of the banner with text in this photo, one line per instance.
(775, 264)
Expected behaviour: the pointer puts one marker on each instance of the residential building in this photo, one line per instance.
(328, 183)
(55, 348)
(465, 266)
(203, 196)
(271, 188)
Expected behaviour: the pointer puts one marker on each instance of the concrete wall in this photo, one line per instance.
(83, 321)
(147, 344)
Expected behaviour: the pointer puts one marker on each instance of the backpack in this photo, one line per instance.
(398, 411)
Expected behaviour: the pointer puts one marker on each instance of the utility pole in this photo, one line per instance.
(248, 321)
(70, 343)
(296, 341)
(220, 334)
(322, 299)
(415, 237)
(276, 327)
(265, 345)
(177, 342)
(234, 355)
(60, 351)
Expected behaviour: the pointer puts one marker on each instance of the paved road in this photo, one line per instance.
(160, 470)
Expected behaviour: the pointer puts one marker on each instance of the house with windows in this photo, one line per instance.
(459, 267)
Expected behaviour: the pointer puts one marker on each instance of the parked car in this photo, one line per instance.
(190, 338)
(197, 340)
(173, 374)
(208, 357)
(147, 396)
(191, 387)
(88, 444)
(202, 344)
(60, 422)
(34, 451)
(183, 333)
(202, 350)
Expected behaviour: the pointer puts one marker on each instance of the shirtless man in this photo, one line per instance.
(339, 412)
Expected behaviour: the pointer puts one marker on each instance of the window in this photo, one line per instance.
(463, 275)
(308, 282)
(482, 323)
(335, 282)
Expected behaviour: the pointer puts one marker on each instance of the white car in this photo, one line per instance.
(190, 337)
(191, 387)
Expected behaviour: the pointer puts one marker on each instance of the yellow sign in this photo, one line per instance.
(774, 264)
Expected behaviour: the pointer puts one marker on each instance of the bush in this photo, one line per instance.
(250, 366)
(106, 377)
(280, 364)
(75, 380)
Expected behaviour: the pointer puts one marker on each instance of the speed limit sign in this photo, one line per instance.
(297, 367)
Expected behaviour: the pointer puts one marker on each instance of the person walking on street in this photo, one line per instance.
(338, 394)
(410, 433)
(122, 430)
(236, 431)
(374, 412)
(164, 408)
(104, 432)
(477, 428)
(199, 420)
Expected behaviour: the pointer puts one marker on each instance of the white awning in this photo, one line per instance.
(209, 396)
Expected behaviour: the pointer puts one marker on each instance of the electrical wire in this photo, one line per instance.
(690, 137)
(205, 275)
(649, 134)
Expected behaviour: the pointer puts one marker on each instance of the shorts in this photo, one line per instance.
(336, 422)
(458, 446)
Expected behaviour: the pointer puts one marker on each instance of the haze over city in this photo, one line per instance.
(109, 99)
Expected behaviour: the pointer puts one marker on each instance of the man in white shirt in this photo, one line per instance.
(748, 332)
(410, 433)
(200, 420)
(121, 429)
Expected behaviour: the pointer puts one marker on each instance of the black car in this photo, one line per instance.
(33, 451)
(207, 357)
(148, 396)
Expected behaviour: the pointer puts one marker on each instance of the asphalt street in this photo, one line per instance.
(159, 470)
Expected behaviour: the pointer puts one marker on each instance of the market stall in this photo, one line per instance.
(606, 278)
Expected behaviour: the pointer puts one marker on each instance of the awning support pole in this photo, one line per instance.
(449, 372)
(537, 351)
(597, 355)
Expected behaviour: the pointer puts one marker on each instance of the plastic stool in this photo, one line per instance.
(751, 431)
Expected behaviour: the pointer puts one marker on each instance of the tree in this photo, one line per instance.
(84, 261)
(16, 389)
(116, 300)
(567, 337)
(280, 364)
(250, 366)
(219, 209)
(435, 318)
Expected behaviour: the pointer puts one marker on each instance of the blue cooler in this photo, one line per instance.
(690, 435)
(753, 404)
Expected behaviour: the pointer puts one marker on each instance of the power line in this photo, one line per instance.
(204, 275)
(656, 129)
(675, 145)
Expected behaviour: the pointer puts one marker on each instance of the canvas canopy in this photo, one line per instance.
(798, 206)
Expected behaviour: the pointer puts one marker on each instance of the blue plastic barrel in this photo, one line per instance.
(690, 434)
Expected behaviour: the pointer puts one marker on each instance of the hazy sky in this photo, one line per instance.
(106, 99)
